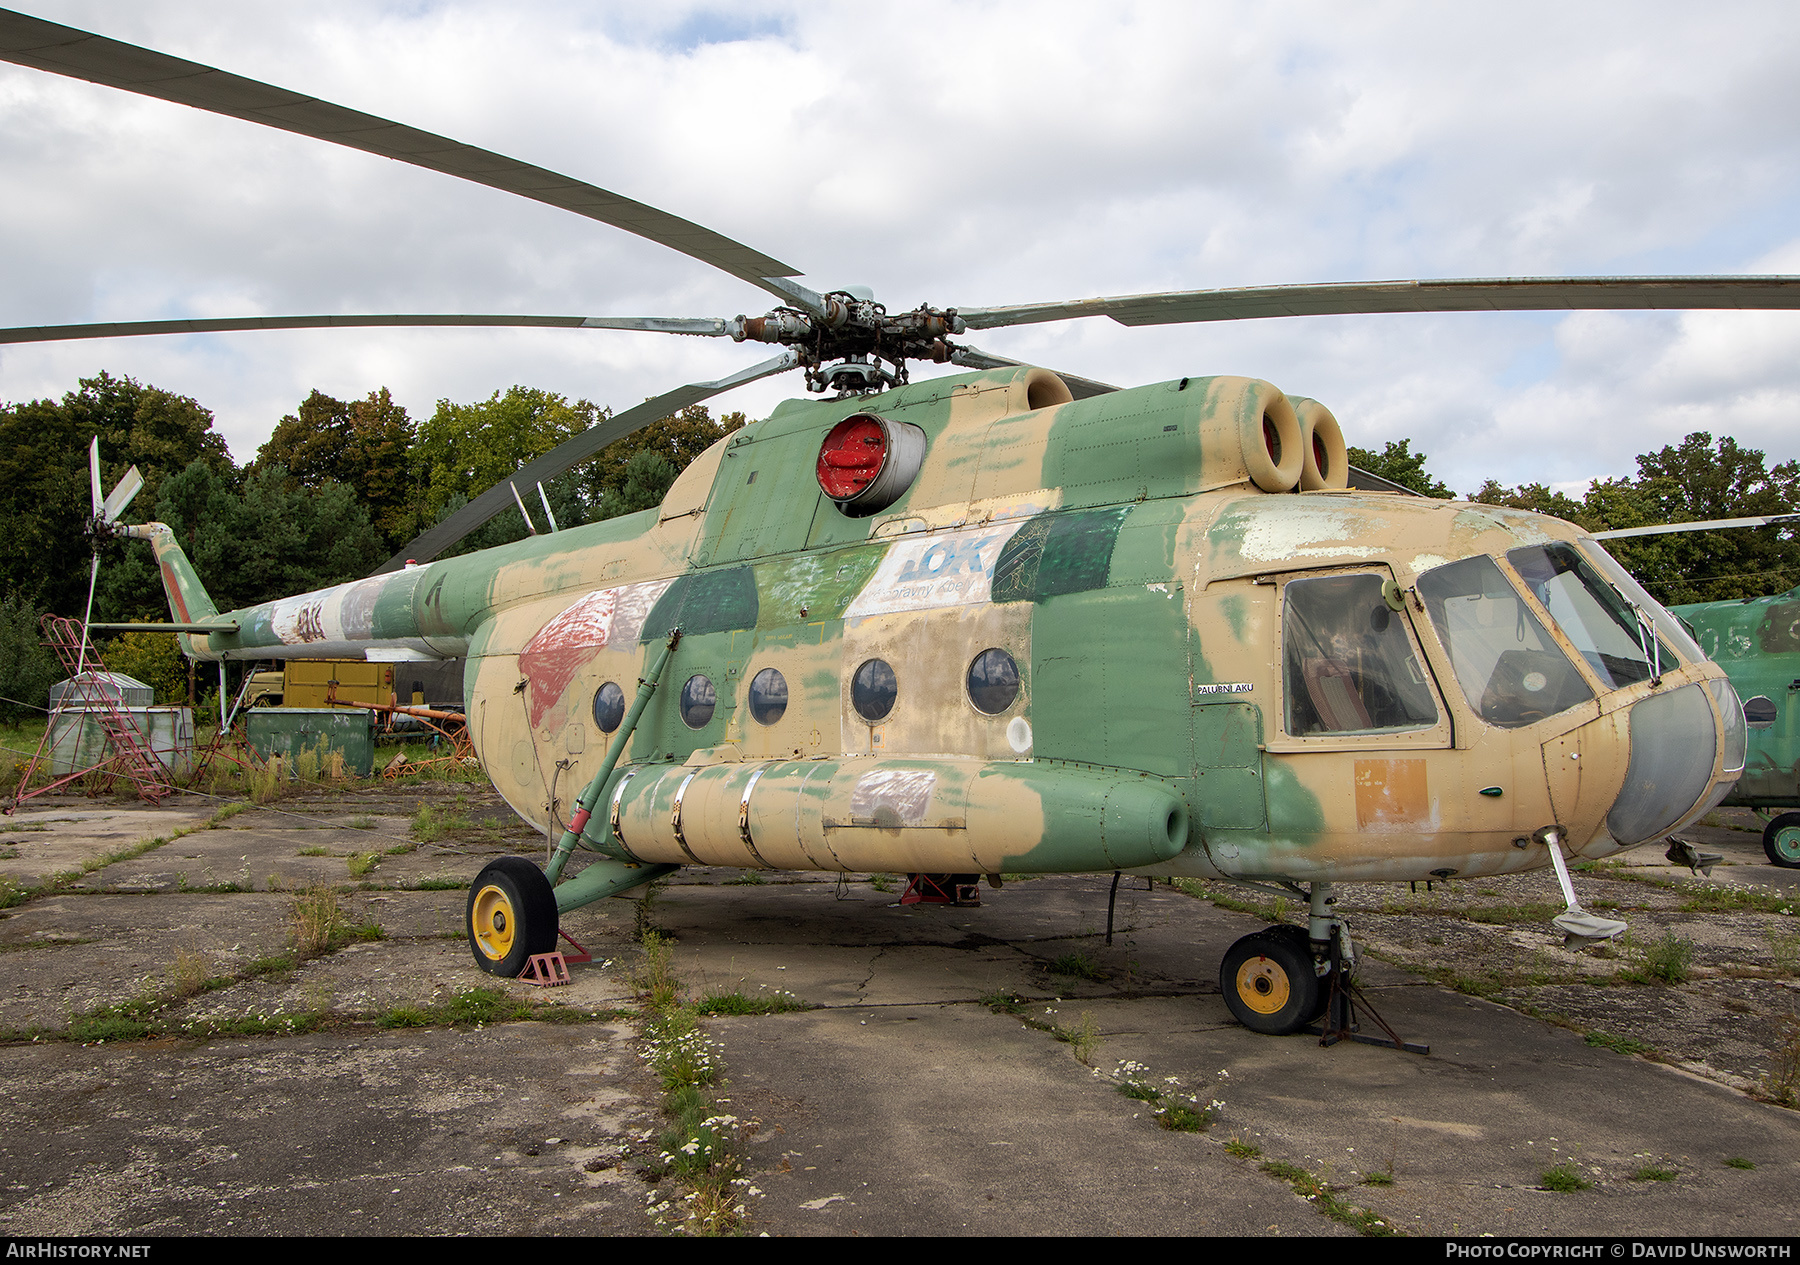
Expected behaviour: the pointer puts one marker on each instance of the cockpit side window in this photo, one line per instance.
(1350, 665)
(1510, 669)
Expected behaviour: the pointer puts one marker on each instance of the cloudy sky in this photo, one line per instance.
(960, 154)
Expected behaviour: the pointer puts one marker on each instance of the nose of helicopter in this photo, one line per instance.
(1676, 746)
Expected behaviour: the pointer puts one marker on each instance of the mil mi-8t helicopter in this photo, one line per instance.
(1008, 621)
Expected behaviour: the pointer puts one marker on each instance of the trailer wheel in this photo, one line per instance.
(1781, 841)
(511, 916)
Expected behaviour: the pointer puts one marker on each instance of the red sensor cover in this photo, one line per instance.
(851, 457)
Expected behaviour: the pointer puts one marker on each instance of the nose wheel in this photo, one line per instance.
(1269, 981)
(511, 916)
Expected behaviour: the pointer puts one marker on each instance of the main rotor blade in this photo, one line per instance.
(430, 543)
(1714, 524)
(974, 358)
(64, 50)
(1492, 294)
(707, 327)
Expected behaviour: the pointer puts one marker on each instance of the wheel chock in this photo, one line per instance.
(546, 970)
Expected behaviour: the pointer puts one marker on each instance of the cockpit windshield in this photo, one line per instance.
(1618, 640)
(1510, 669)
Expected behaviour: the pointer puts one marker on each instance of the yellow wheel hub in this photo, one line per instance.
(493, 923)
(1262, 985)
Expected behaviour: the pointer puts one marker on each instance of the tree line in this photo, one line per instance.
(340, 486)
(1697, 480)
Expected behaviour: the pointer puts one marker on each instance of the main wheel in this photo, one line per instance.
(1300, 940)
(511, 916)
(1781, 840)
(1269, 984)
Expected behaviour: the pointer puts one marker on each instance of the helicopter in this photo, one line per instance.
(1005, 621)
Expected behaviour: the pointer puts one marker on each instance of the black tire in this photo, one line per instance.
(1781, 841)
(511, 915)
(1300, 939)
(1269, 985)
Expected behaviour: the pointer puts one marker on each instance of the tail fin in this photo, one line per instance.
(188, 599)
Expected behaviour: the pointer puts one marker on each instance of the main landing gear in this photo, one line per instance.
(1285, 978)
(511, 916)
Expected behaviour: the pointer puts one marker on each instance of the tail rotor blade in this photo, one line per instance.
(94, 473)
(127, 488)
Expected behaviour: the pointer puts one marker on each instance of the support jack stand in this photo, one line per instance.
(962, 890)
(1340, 1022)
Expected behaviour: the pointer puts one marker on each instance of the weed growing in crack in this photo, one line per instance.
(1782, 1082)
(1077, 964)
(1665, 960)
(1564, 1179)
(1325, 1199)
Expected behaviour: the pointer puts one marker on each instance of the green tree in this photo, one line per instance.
(1693, 481)
(678, 438)
(151, 657)
(364, 444)
(465, 449)
(270, 540)
(27, 670)
(1400, 464)
(44, 496)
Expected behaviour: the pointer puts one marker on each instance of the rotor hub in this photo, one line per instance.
(852, 345)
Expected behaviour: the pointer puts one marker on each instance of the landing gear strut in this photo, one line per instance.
(1280, 979)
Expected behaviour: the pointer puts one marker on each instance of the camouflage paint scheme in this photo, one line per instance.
(1757, 642)
(1115, 546)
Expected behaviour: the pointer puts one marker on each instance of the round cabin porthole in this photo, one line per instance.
(873, 690)
(609, 707)
(768, 696)
(1759, 712)
(697, 701)
(867, 462)
(993, 681)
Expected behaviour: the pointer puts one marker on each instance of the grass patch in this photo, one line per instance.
(1077, 964)
(1738, 1161)
(1318, 1193)
(1237, 1148)
(1782, 1083)
(1624, 1045)
(1507, 915)
(740, 1003)
(360, 863)
(1712, 898)
(1378, 1178)
(1666, 960)
(749, 878)
(655, 977)
(484, 1004)
(438, 885)
(360, 823)
(431, 824)
(1003, 1003)
(224, 815)
(313, 852)
(1564, 1179)
(882, 882)
(1654, 1173)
